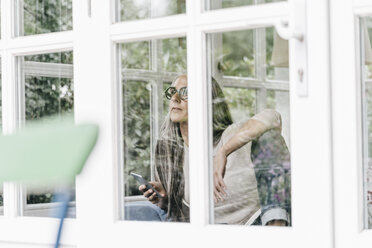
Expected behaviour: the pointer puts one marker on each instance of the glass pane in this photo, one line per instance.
(137, 55)
(250, 126)
(137, 132)
(47, 83)
(239, 100)
(39, 17)
(145, 9)
(222, 4)
(237, 60)
(155, 129)
(367, 38)
(277, 60)
(366, 35)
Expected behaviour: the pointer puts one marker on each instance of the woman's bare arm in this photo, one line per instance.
(249, 131)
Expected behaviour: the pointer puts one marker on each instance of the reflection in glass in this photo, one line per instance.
(250, 125)
(222, 4)
(240, 100)
(137, 136)
(39, 17)
(238, 60)
(145, 9)
(366, 35)
(47, 83)
(153, 145)
(137, 55)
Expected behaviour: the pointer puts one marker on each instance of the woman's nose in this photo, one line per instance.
(176, 98)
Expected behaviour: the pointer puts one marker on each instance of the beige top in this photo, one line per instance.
(242, 205)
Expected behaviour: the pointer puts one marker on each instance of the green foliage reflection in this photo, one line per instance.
(45, 16)
(137, 133)
(47, 96)
(144, 9)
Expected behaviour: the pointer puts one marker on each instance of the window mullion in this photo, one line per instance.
(198, 120)
(18, 17)
(7, 20)
(260, 70)
(97, 188)
(12, 191)
(12, 199)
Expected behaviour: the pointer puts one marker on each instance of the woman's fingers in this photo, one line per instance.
(142, 187)
(222, 183)
(217, 196)
(159, 188)
(219, 169)
(218, 191)
(219, 184)
(148, 193)
(153, 197)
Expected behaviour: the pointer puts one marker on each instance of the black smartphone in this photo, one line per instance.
(141, 180)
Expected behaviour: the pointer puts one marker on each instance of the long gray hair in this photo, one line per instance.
(169, 153)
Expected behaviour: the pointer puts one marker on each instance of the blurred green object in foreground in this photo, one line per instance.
(49, 152)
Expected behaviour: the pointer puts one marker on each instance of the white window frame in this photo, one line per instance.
(12, 224)
(349, 188)
(96, 100)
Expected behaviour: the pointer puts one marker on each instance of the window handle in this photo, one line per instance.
(294, 30)
(287, 32)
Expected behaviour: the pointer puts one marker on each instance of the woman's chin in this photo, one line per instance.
(177, 118)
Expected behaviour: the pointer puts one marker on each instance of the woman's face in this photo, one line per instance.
(177, 107)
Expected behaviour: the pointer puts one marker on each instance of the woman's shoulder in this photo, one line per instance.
(269, 117)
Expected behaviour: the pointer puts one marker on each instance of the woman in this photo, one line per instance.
(235, 203)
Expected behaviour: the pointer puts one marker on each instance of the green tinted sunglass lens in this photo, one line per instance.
(170, 92)
(183, 92)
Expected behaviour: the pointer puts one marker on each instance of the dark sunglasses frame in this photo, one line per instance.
(171, 91)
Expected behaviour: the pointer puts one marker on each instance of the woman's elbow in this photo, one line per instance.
(275, 117)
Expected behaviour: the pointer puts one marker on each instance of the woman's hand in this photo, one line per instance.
(219, 168)
(151, 195)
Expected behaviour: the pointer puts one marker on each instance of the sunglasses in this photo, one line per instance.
(171, 91)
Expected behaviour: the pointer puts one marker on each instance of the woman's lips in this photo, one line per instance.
(176, 109)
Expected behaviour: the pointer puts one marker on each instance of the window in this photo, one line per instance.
(39, 17)
(46, 89)
(351, 121)
(148, 69)
(254, 86)
(126, 55)
(29, 64)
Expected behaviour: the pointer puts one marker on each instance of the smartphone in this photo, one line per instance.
(141, 180)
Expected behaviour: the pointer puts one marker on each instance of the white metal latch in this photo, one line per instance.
(287, 32)
(294, 30)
